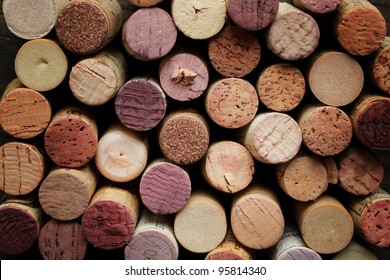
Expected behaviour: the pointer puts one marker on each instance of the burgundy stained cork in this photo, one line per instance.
(252, 15)
(281, 87)
(145, 3)
(379, 66)
(234, 52)
(110, 219)
(317, 6)
(60, 240)
(140, 104)
(231, 102)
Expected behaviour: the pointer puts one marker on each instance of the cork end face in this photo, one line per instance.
(318, 7)
(225, 255)
(299, 253)
(381, 70)
(145, 3)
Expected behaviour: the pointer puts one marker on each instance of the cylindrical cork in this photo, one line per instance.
(335, 78)
(41, 64)
(201, 225)
(31, 19)
(22, 168)
(153, 239)
(65, 193)
(184, 137)
(122, 154)
(256, 217)
(96, 80)
(71, 138)
(379, 66)
(184, 76)
(317, 6)
(86, 26)
(20, 224)
(252, 15)
(272, 137)
(234, 52)
(231, 102)
(145, 3)
(149, 34)
(293, 35)
(164, 187)
(332, 170)
(141, 103)
(355, 251)
(326, 130)
(325, 224)
(371, 216)
(228, 166)
(360, 27)
(110, 219)
(199, 19)
(281, 87)
(62, 240)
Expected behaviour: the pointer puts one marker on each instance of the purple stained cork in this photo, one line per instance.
(317, 6)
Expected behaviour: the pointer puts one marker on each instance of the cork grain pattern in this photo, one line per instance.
(317, 6)
(381, 67)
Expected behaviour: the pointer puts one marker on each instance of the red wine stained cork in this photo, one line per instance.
(252, 15)
(272, 137)
(317, 6)
(22, 168)
(231, 102)
(164, 187)
(145, 3)
(234, 52)
(71, 138)
(199, 19)
(96, 80)
(325, 224)
(332, 170)
(201, 225)
(326, 130)
(228, 166)
(85, 26)
(379, 66)
(65, 193)
(149, 34)
(41, 64)
(371, 214)
(184, 137)
(122, 154)
(60, 240)
(256, 217)
(184, 76)
(360, 27)
(110, 219)
(153, 239)
(335, 78)
(281, 87)
(293, 35)
(355, 251)
(140, 104)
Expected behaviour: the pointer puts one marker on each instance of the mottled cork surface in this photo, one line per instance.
(381, 67)
(145, 3)
(317, 6)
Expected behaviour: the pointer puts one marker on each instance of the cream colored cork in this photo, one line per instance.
(355, 251)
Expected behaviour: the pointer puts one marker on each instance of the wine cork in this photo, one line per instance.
(199, 19)
(379, 66)
(332, 170)
(140, 104)
(317, 6)
(145, 3)
(252, 15)
(149, 34)
(22, 168)
(355, 251)
(62, 240)
(272, 137)
(41, 64)
(228, 166)
(184, 76)
(201, 225)
(153, 239)
(293, 35)
(31, 19)
(325, 224)
(122, 154)
(71, 138)
(184, 137)
(164, 187)
(371, 214)
(65, 193)
(256, 217)
(326, 130)
(97, 79)
(281, 87)
(360, 27)
(110, 219)
(335, 78)
(231, 102)
(234, 52)
(86, 26)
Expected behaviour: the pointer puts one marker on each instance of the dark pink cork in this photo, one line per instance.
(317, 6)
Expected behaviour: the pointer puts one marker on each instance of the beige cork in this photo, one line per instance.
(145, 3)
(332, 170)
(355, 251)
(379, 66)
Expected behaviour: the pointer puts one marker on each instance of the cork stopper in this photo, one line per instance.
(381, 66)
(355, 251)
(145, 3)
(317, 6)
(332, 170)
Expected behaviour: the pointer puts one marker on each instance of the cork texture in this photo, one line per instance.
(145, 3)
(317, 6)
(355, 251)
(381, 66)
